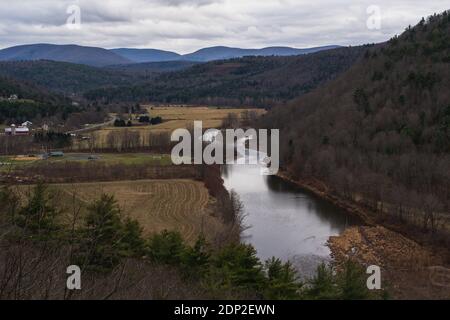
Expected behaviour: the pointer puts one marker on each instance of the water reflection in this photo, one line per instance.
(285, 221)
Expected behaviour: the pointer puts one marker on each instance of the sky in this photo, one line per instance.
(187, 25)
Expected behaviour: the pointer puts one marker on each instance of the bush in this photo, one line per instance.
(144, 119)
(120, 123)
(156, 120)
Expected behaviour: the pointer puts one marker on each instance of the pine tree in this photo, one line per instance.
(167, 247)
(38, 216)
(283, 283)
(352, 282)
(323, 286)
(100, 249)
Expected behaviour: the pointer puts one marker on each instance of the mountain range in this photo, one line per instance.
(100, 57)
(64, 53)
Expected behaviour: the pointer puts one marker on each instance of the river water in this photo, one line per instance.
(284, 220)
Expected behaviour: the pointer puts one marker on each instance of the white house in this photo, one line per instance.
(27, 124)
(17, 131)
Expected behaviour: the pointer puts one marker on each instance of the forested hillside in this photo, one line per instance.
(69, 78)
(257, 81)
(63, 77)
(149, 70)
(31, 102)
(381, 131)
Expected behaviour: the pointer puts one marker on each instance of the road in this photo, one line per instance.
(93, 127)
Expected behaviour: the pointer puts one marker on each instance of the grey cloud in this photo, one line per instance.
(187, 25)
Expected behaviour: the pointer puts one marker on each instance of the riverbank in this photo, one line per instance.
(406, 263)
(321, 190)
(408, 269)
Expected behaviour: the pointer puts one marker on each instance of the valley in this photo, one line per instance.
(87, 177)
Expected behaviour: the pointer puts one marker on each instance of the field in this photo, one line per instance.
(174, 117)
(178, 204)
(6, 162)
(183, 117)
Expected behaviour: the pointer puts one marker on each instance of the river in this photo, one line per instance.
(284, 220)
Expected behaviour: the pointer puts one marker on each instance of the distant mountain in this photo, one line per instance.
(211, 54)
(146, 55)
(66, 53)
(221, 53)
(99, 57)
(257, 81)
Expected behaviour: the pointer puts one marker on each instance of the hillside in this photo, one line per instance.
(381, 131)
(64, 77)
(66, 53)
(258, 81)
(70, 78)
(151, 69)
(31, 102)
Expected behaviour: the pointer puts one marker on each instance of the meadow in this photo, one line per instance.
(181, 205)
(173, 117)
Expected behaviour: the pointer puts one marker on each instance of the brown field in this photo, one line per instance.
(183, 117)
(174, 117)
(178, 205)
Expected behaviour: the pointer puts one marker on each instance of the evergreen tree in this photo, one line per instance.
(167, 247)
(283, 283)
(196, 259)
(240, 267)
(352, 282)
(132, 243)
(38, 216)
(322, 286)
(103, 235)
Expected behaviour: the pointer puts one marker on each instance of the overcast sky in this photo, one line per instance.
(188, 25)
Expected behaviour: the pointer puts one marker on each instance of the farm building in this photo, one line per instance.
(17, 131)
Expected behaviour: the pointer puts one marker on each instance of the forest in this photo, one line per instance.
(32, 102)
(250, 81)
(380, 133)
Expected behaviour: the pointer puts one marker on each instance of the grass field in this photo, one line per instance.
(108, 158)
(158, 205)
(183, 117)
(174, 117)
